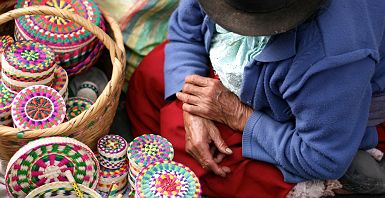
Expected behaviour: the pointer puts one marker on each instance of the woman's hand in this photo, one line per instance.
(200, 132)
(208, 98)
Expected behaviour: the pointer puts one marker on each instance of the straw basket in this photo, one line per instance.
(92, 124)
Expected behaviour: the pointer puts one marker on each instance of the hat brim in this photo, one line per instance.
(259, 24)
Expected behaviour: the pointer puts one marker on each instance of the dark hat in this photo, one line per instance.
(259, 17)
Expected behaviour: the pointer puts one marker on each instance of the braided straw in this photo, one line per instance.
(71, 179)
(92, 124)
(61, 189)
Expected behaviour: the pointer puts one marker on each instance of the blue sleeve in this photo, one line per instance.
(330, 118)
(185, 54)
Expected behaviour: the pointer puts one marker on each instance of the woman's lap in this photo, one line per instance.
(149, 113)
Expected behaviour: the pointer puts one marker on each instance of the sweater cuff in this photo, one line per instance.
(247, 137)
(171, 88)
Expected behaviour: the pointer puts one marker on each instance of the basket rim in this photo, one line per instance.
(117, 56)
(61, 185)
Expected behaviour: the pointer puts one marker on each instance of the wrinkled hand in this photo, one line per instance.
(200, 132)
(208, 98)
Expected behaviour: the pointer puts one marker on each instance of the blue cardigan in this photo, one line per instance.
(310, 88)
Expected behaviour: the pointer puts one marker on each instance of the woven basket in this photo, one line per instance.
(90, 125)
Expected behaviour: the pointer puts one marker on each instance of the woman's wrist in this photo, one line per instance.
(243, 117)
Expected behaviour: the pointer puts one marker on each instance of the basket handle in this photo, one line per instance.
(117, 54)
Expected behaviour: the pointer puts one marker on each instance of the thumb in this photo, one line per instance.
(219, 142)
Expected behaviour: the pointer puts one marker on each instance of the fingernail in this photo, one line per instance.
(228, 150)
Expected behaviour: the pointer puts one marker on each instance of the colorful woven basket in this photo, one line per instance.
(145, 150)
(112, 151)
(94, 77)
(60, 82)
(38, 107)
(149, 148)
(76, 105)
(134, 171)
(6, 98)
(45, 160)
(95, 122)
(4, 42)
(88, 61)
(111, 176)
(131, 181)
(72, 42)
(62, 189)
(27, 63)
(123, 192)
(167, 179)
(88, 90)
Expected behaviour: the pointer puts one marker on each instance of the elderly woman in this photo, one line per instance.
(267, 94)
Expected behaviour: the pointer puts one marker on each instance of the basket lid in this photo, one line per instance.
(149, 148)
(167, 179)
(55, 31)
(38, 107)
(112, 146)
(28, 58)
(45, 160)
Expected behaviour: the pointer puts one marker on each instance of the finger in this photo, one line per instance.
(218, 159)
(195, 154)
(192, 89)
(187, 98)
(210, 164)
(226, 169)
(207, 160)
(190, 151)
(195, 109)
(198, 80)
(219, 142)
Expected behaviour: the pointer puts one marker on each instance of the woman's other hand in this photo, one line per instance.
(200, 133)
(208, 98)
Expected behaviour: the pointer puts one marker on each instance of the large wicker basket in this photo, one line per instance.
(92, 124)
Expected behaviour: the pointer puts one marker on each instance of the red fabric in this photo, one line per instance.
(149, 113)
(381, 137)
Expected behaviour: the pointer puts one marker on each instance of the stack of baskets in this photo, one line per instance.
(94, 123)
(112, 156)
(76, 49)
(145, 150)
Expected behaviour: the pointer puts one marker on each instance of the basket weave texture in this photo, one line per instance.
(62, 189)
(90, 125)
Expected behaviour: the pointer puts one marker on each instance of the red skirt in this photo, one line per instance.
(149, 113)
